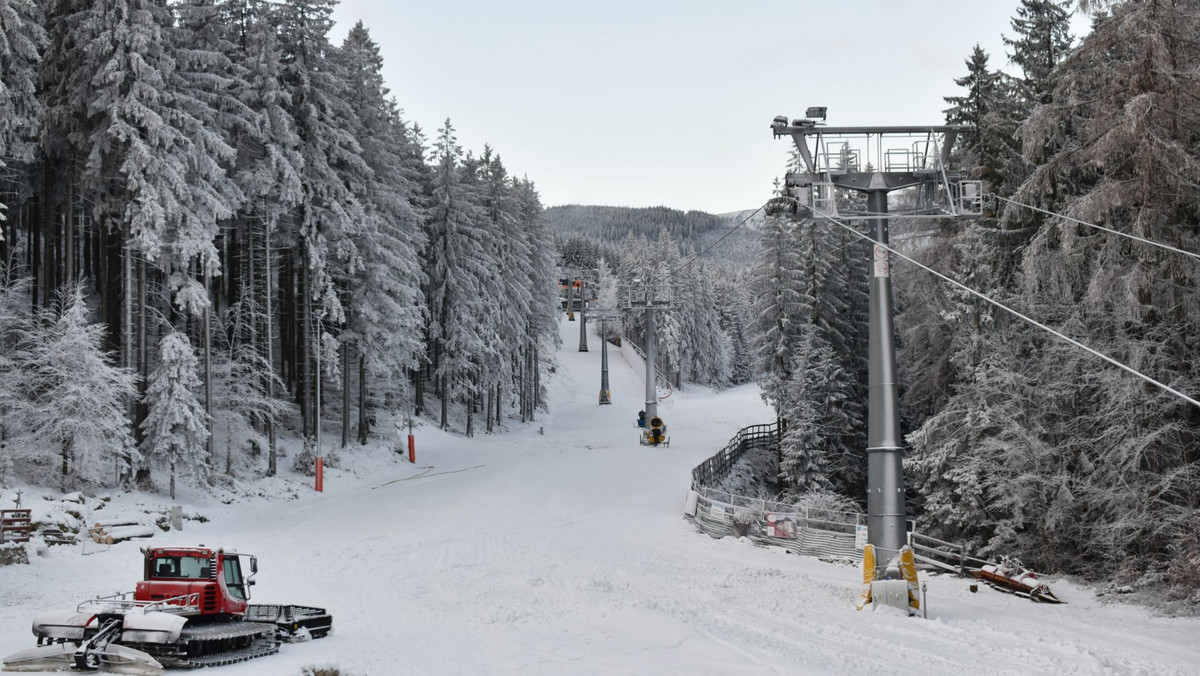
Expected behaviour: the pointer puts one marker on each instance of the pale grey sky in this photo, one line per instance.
(664, 102)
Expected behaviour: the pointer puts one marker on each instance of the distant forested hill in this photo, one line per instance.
(693, 230)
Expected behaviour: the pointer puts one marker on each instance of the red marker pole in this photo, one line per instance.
(320, 474)
(412, 444)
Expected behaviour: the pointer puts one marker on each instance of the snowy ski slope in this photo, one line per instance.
(566, 553)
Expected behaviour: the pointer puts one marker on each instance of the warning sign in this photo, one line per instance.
(882, 268)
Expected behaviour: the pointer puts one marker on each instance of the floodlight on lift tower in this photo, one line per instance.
(877, 161)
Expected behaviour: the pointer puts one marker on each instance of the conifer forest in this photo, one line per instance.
(219, 228)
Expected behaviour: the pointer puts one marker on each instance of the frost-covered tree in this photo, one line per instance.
(268, 170)
(541, 335)
(457, 264)
(513, 296)
(244, 392)
(76, 395)
(15, 326)
(176, 427)
(974, 104)
(778, 313)
(333, 175)
(21, 40)
(386, 307)
(707, 349)
(1040, 42)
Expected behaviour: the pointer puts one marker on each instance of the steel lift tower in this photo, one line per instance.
(650, 297)
(877, 161)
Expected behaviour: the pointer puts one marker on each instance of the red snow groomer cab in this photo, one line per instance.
(191, 609)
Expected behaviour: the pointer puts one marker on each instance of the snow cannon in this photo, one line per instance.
(897, 588)
(655, 433)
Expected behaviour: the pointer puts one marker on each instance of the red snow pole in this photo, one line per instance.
(412, 445)
(320, 474)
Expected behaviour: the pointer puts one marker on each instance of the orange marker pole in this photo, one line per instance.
(320, 474)
(412, 449)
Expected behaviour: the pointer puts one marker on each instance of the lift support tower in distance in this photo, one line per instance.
(650, 298)
(877, 161)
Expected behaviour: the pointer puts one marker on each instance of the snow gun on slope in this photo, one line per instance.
(190, 610)
(899, 586)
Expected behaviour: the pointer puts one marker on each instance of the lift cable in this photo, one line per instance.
(1100, 227)
(1007, 309)
(745, 220)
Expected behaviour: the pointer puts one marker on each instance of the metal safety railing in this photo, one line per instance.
(821, 533)
(122, 602)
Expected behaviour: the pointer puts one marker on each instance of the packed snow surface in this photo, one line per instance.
(559, 547)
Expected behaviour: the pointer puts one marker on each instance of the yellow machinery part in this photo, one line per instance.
(908, 569)
(864, 596)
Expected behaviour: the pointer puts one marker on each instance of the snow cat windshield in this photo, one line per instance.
(181, 568)
(233, 578)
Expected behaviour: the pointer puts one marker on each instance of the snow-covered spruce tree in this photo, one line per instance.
(76, 395)
(802, 464)
(541, 335)
(778, 312)
(176, 427)
(976, 101)
(514, 294)
(268, 172)
(21, 40)
(1040, 42)
(15, 326)
(984, 104)
(333, 176)
(456, 264)
(244, 400)
(834, 303)
(733, 305)
(386, 308)
(706, 347)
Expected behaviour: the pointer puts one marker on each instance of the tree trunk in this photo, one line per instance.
(345, 395)
(488, 418)
(206, 328)
(445, 396)
(127, 336)
(35, 253)
(143, 361)
(48, 239)
(66, 463)
(305, 346)
(69, 235)
(471, 416)
(362, 400)
(268, 310)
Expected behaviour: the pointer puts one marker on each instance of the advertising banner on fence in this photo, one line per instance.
(782, 525)
(716, 511)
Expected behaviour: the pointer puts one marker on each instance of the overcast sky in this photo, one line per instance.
(664, 102)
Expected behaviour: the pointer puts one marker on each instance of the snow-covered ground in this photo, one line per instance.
(560, 548)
